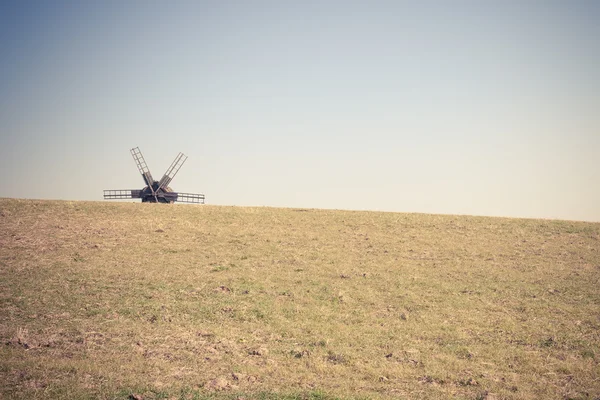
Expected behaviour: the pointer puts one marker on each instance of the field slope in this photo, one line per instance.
(124, 300)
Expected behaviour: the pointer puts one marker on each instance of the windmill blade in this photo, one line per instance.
(172, 171)
(122, 194)
(142, 166)
(189, 198)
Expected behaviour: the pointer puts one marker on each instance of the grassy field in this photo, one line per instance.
(146, 301)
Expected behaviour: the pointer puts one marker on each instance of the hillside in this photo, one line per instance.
(118, 300)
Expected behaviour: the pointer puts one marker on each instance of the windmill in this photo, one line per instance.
(155, 191)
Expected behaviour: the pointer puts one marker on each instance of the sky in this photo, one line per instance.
(450, 107)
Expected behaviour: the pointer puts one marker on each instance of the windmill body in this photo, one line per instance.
(155, 191)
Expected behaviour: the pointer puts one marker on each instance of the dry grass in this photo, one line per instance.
(102, 300)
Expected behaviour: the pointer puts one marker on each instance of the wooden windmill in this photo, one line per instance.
(155, 191)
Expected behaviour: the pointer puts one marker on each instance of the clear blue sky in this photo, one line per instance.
(455, 107)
